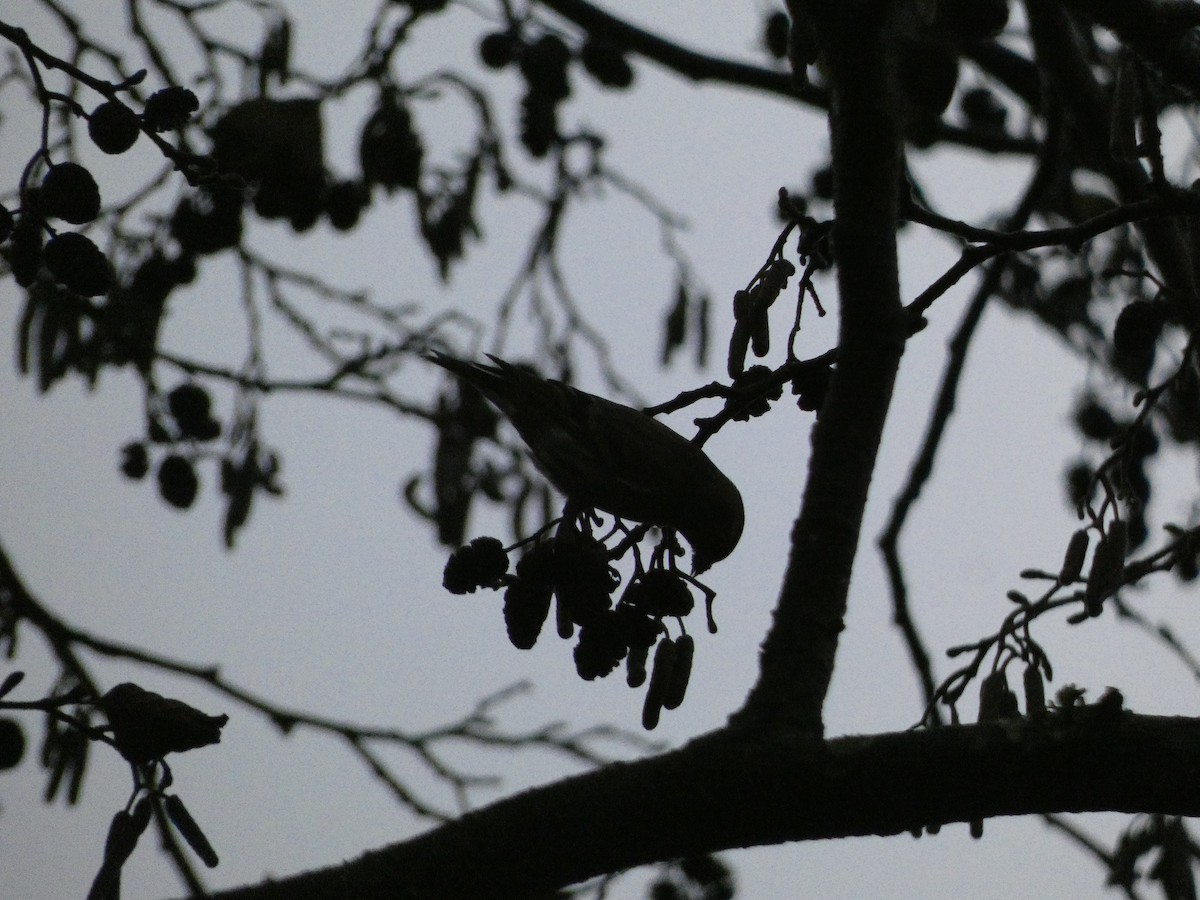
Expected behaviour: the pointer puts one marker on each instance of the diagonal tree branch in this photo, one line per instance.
(702, 67)
(941, 411)
(737, 790)
(798, 654)
(690, 64)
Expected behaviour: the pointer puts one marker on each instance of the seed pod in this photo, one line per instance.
(499, 48)
(537, 565)
(77, 264)
(637, 628)
(1135, 338)
(660, 675)
(123, 834)
(12, 744)
(544, 65)
(344, 203)
(635, 666)
(701, 318)
(189, 830)
(751, 397)
(177, 481)
(606, 63)
(661, 592)
(760, 337)
(774, 281)
(713, 878)
(1108, 566)
(1035, 692)
(169, 108)
(69, 192)
(141, 814)
(996, 701)
(113, 127)
(526, 606)
(776, 30)
(275, 56)
(121, 839)
(601, 647)
(390, 151)
(675, 324)
(1093, 421)
(562, 620)
(25, 250)
(681, 671)
(191, 407)
(1073, 560)
(739, 341)
(583, 578)
(1109, 706)
(742, 304)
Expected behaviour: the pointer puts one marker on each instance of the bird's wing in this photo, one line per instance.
(597, 452)
(644, 465)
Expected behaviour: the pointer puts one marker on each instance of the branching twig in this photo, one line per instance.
(477, 727)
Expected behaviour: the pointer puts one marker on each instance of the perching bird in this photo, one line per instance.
(614, 458)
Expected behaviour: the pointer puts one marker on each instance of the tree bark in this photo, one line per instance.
(736, 789)
(854, 42)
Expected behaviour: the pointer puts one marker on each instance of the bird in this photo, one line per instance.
(613, 458)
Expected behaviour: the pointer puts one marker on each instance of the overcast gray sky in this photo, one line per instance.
(332, 600)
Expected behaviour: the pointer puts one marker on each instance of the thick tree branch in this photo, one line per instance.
(798, 653)
(700, 67)
(690, 64)
(735, 790)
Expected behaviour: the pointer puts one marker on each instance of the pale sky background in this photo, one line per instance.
(332, 601)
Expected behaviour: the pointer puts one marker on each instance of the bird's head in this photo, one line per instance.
(715, 525)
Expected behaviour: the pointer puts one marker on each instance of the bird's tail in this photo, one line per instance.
(499, 382)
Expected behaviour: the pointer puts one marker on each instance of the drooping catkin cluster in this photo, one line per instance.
(571, 571)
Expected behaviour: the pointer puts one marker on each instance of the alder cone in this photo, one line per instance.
(191, 407)
(170, 108)
(69, 192)
(113, 127)
(12, 743)
(25, 250)
(499, 49)
(1135, 338)
(77, 264)
(776, 30)
(526, 606)
(177, 482)
(605, 62)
